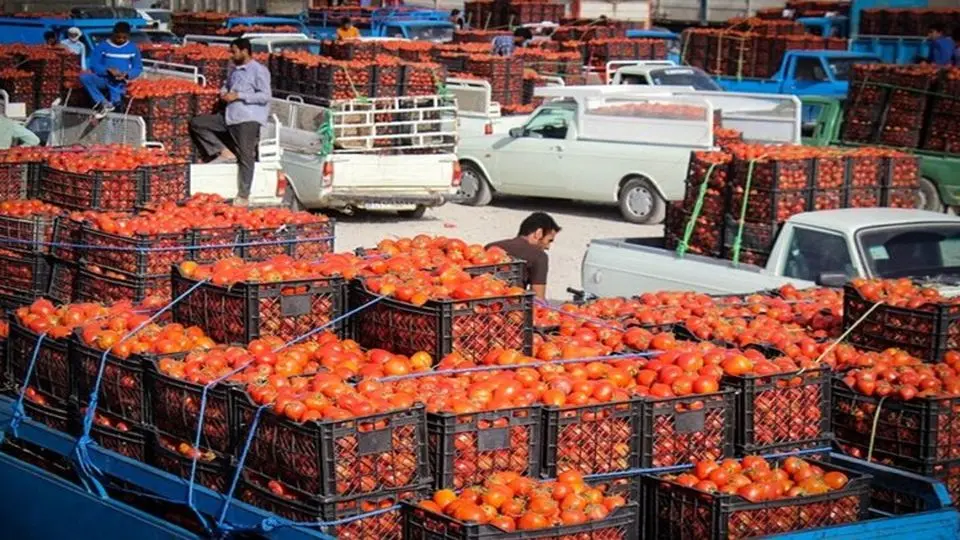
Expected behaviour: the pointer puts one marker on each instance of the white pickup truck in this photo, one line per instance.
(619, 145)
(825, 248)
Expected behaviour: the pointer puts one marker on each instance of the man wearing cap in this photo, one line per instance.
(114, 63)
(74, 45)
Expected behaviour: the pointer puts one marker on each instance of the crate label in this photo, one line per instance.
(690, 422)
(294, 306)
(375, 442)
(493, 439)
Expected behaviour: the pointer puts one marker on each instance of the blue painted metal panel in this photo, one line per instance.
(892, 49)
(37, 504)
(239, 515)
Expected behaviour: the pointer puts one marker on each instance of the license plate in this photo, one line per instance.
(388, 206)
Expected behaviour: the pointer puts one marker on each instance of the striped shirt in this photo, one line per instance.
(503, 45)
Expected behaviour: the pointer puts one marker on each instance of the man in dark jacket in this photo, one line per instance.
(534, 238)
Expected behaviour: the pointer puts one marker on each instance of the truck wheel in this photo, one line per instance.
(640, 203)
(929, 196)
(416, 213)
(474, 188)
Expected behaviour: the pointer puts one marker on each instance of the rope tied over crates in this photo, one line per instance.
(684, 244)
(738, 240)
(327, 134)
(147, 249)
(18, 412)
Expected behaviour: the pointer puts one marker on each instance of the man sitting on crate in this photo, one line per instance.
(234, 135)
(535, 237)
(114, 62)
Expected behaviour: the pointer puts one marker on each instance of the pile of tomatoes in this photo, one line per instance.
(757, 480)
(511, 502)
(112, 157)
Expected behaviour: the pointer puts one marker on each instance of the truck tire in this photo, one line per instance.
(640, 203)
(416, 213)
(474, 187)
(929, 196)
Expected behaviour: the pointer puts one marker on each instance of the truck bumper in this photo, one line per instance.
(398, 201)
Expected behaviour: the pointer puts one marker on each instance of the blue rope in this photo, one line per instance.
(142, 249)
(240, 462)
(18, 413)
(82, 455)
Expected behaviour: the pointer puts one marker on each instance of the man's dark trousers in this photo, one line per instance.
(211, 134)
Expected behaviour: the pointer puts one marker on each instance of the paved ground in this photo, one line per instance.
(580, 222)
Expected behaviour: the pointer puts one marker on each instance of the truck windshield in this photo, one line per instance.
(921, 250)
(683, 77)
(841, 68)
(430, 33)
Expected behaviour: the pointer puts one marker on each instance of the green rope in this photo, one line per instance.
(684, 244)
(327, 135)
(743, 212)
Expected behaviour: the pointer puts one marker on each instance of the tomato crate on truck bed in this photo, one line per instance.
(923, 430)
(677, 430)
(300, 241)
(290, 503)
(339, 458)
(469, 327)
(27, 234)
(513, 272)
(123, 387)
(465, 449)
(19, 180)
(24, 274)
(927, 332)
(51, 376)
(592, 439)
(109, 286)
(244, 311)
(174, 455)
(782, 409)
(175, 409)
(422, 524)
(677, 512)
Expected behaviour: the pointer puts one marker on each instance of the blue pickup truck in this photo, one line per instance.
(30, 31)
(415, 24)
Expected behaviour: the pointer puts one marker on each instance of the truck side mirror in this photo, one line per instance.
(516, 132)
(834, 280)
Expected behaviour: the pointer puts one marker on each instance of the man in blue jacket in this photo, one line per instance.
(114, 63)
(942, 47)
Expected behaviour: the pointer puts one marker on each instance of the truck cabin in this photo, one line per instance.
(815, 67)
(426, 30)
(103, 12)
(668, 76)
(137, 36)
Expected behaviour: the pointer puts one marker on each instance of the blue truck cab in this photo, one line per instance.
(804, 73)
(414, 24)
(672, 39)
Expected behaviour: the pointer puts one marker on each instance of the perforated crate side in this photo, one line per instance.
(63, 281)
(301, 241)
(122, 391)
(24, 274)
(140, 255)
(300, 507)
(592, 439)
(513, 272)
(506, 440)
(681, 429)
(51, 376)
(338, 458)
(780, 410)
(175, 409)
(96, 287)
(29, 234)
(214, 474)
(677, 512)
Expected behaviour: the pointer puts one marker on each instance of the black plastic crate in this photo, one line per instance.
(340, 458)
(123, 387)
(900, 197)
(440, 327)
(25, 274)
(774, 411)
(592, 439)
(301, 241)
(299, 507)
(54, 417)
(151, 107)
(175, 409)
(862, 197)
(117, 286)
(678, 430)
(924, 431)
(513, 272)
(30, 234)
(244, 311)
(755, 236)
(99, 190)
(677, 512)
(506, 440)
(926, 333)
(39, 456)
(135, 443)
(139, 254)
(422, 524)
(224, 241)
(168, 183)
(829, 172)
(18, 180)
(51, 372)
(63, 281)
(769, 205)
(68, 233)
(900, 172)
(214, 471)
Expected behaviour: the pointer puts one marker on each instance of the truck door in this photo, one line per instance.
(531, 160)
(809, 77)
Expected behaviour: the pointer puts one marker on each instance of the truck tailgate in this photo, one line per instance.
(626, 266)
(397, 172)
